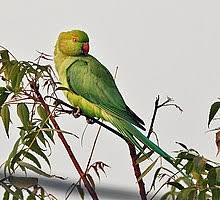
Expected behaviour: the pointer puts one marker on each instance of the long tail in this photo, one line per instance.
(132, 133)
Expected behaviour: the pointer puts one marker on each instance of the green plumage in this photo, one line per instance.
(93, 89)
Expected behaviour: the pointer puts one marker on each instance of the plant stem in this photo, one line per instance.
(137, 171)
(66, 145)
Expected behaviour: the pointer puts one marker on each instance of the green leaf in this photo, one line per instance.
(6, 195)
(2, 89)
(13, 75)
(202, 195)
(189, 167)
(18, 193)
(15, 159)
(11, 155)
(5, 57)
(176, 185)
(31, 197)
(214, 177)
(23, 114)
(192, 195)
(213, 110)
(147, 170)
(144, 157)
(185, 193)
(5, 114)
(7, 188)
(19, 79)
(166, 196)
(34, 169)
(65, 132)
(3, 95)
(42, 113)
(41, 137)
(32, 158)
(49, 133)
(215, 194)
(36, 148)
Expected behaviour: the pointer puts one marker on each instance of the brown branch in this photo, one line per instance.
(66, 145)
(137, 171)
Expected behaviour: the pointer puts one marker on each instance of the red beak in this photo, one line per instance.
(85, 48)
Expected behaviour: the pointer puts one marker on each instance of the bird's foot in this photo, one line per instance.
(77, 113)
(89, 120)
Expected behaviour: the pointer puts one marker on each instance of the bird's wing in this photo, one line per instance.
(91, 80)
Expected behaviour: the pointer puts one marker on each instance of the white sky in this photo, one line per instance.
(170, 48)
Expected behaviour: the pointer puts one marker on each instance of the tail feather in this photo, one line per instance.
(130, 132)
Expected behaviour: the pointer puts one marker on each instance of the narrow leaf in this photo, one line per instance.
(19, 78)
(81, 191)
(5, 114)
(202, 195)
(176, 185)
(42, 113)
(213, 110)
(34, 169)
(91, 180)
(18, 193)
(11, 155)
(7, 188)
(33, 145)
(3, 95)
(13, 75)
(35, 148)
(65, 132)
(182, 145)
(6, 195)
(23, 113)
(147, 170)
(32, 158)
(144, 157)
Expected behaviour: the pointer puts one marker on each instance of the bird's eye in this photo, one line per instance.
(74, 40)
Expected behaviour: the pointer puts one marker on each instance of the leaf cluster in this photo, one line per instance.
(202, 181)
(35, 131)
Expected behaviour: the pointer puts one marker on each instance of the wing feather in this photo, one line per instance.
(88, 78)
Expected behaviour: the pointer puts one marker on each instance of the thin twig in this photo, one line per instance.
(93, 148)
(154, 116)
(156, 107)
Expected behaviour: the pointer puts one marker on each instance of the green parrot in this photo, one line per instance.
(92, 89)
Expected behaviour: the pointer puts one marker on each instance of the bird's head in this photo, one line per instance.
(73, 43)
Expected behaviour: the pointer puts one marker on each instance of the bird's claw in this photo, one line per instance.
(77, 113)
(89, 120)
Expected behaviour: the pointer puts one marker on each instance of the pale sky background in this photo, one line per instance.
(170, 48)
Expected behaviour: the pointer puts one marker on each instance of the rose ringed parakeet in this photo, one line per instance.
(92, 89)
